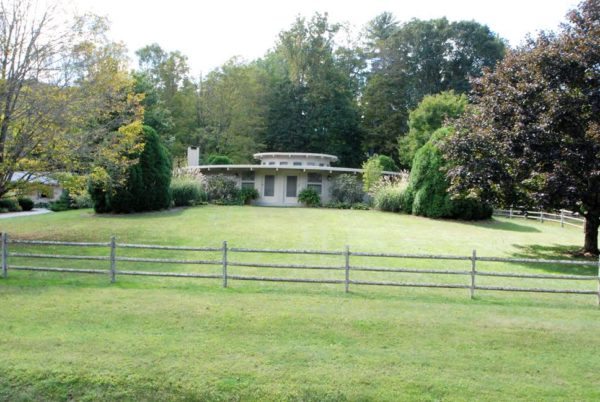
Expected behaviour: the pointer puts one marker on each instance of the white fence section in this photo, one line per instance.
(563, 217)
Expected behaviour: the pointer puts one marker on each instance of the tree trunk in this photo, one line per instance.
(592, 221)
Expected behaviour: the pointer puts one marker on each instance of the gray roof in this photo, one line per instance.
(35, 177)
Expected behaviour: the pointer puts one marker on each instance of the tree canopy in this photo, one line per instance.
(532, 137)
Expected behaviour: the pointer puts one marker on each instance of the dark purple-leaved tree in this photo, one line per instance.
(533, 133)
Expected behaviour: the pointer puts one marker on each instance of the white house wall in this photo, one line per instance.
(279, 198)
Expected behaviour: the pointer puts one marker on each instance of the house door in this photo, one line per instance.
(291, 190)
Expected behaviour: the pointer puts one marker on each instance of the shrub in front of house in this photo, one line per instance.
(25, 203)
(309, 197)
(187, 192)
(222, 190)
(10, 204)
(346, 189)
(388, 195)
(248, 194)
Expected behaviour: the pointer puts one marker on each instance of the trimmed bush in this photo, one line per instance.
(346, 189)
(10, 204)
(222, 190)
(26, 203)
(309, 197)
(248, 194)
(187, 192)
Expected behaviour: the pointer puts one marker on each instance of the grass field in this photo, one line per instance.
(70, 336)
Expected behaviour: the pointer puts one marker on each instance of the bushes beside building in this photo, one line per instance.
(187, 191)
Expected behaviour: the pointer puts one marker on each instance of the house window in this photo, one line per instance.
(248, 179)
(283, 163)
(271, 163)
(269, 186)
(315, 181)
(310, 164)
(292, 185)
(297, 163)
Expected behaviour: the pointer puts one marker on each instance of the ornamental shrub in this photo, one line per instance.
(222, 190)
(26, 203)
(247, 195)
(187, 192)
(389, 195)
(10, 204)
(427, 192)
(309, 197)
(346, 189)
(147, 185)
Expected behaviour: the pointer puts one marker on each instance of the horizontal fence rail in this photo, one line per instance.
(224, 263)
(563, 217)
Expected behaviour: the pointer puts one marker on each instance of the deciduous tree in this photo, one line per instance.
(533, 137)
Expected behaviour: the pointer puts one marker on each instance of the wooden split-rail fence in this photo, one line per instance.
(564, 217)
(225, 262)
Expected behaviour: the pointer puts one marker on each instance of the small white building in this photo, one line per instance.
(44, 189)
(280, 176)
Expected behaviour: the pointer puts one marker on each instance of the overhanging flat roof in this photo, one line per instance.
(305, 155)
(329, 169)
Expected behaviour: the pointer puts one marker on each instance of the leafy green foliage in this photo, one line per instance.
(222, 190)
(431, 114)
(427, 192)
(25, 203)
(533, 136)
(219, 160)
(372, 171)
(387, 163)
(147, 184)
(187, 192)
(233, 105)
(10, 204)
(389, 195)
(309, 197)
(248, 194)
(415, 59)
(347, 189)
(312, 102)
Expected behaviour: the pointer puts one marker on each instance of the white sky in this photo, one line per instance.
(211, 32)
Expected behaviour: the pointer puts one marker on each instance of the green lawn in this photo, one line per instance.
(73, 336)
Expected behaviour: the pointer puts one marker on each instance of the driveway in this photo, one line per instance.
(34, 211)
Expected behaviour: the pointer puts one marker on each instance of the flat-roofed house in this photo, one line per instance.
(280, 176)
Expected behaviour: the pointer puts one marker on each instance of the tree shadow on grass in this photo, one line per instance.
(164, 213)
(556, 252)
(494, 224)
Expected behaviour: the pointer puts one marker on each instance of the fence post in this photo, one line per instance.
(599, 280)
(113, 259)
(562, 218)
(510, 213)
(4, 254)
(473, 272)
(225, 264)
(347, 258)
